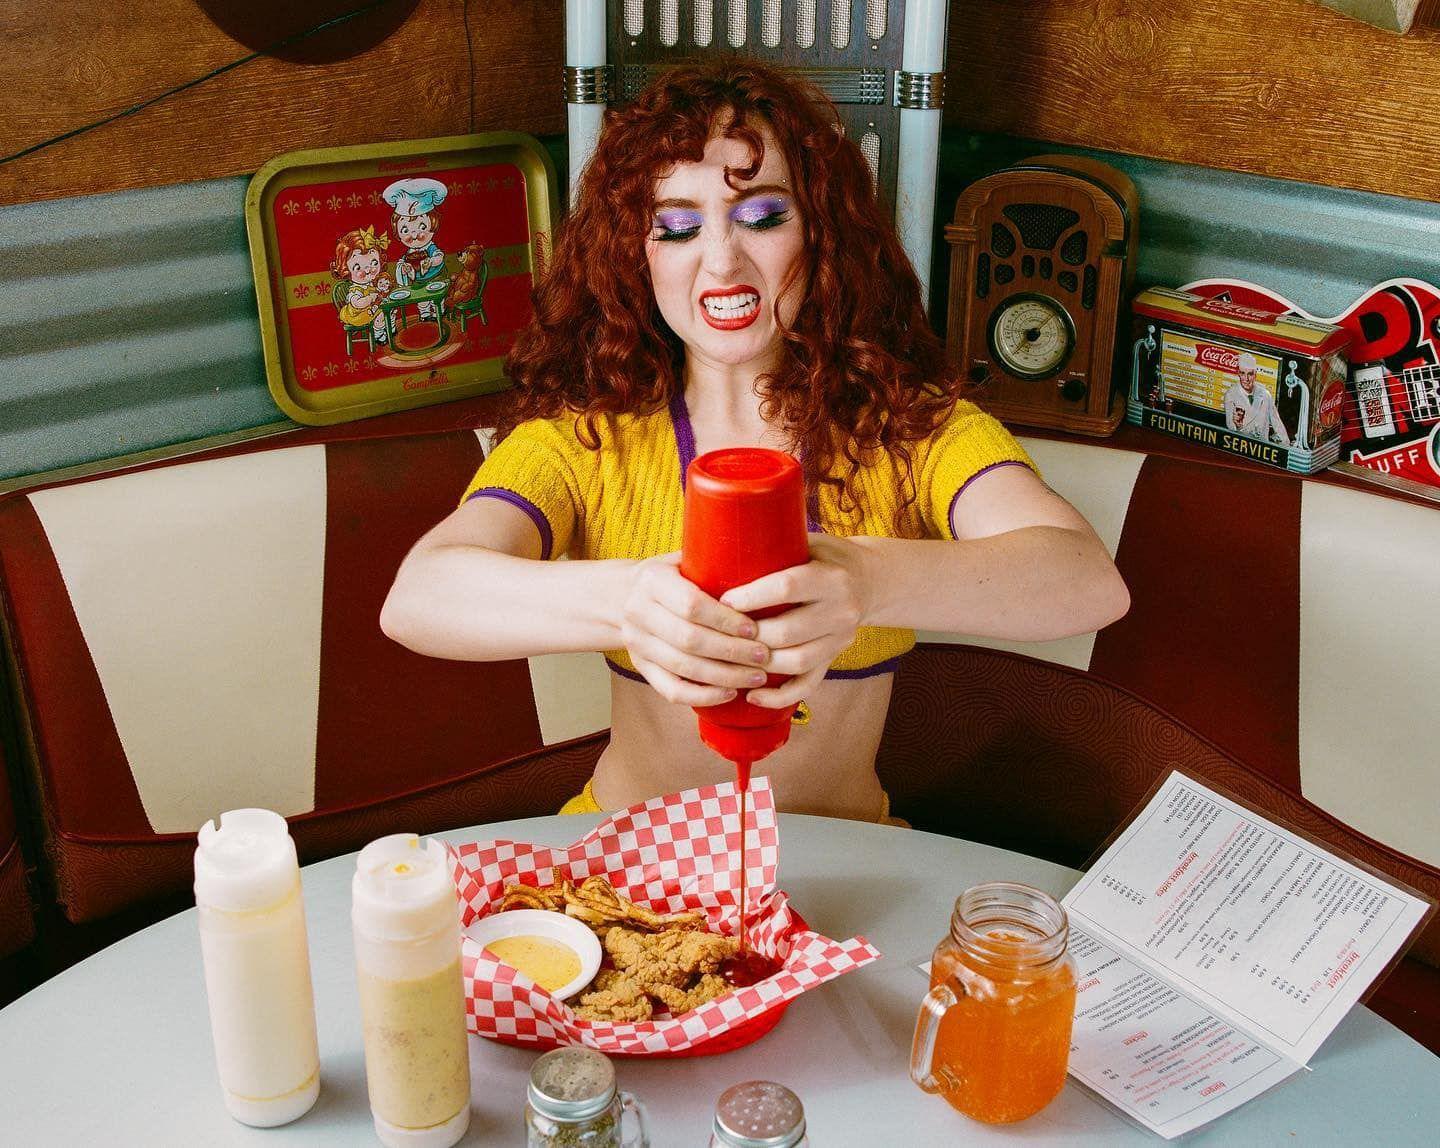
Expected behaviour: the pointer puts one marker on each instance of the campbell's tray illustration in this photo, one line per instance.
(396, 275)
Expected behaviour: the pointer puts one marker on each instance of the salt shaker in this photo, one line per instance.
(406, 919)
(759, 1114)
(573, 1103)
(257, 967)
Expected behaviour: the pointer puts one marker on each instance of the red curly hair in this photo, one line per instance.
(860, 370)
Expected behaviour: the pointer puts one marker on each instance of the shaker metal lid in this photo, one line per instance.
(759, 1114)
(572, 1083)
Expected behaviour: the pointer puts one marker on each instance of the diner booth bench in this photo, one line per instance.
(199, 634)
(17, 914)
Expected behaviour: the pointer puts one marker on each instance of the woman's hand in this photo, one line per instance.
(829, 598)
(692, 649)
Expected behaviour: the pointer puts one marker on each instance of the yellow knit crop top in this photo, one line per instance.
(627, 500)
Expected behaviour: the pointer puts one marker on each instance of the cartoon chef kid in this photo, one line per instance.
(414, 223)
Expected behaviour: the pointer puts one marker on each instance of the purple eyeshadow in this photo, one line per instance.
(761, 207)
(678, 220)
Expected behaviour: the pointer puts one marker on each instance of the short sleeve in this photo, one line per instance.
(537, 469)
(966, 445)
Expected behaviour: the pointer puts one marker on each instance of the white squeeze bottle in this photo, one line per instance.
(412, 1001)
(257, 967)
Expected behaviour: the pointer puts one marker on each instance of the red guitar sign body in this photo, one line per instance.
(1391, 417)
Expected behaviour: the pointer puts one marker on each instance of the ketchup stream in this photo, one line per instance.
(742, 781)
(747, 967)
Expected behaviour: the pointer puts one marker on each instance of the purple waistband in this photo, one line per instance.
(889, 666)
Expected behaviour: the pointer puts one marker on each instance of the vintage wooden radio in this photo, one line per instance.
(1042, 254)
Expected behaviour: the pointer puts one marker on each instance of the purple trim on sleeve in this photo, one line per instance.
(889, 666)
(537, 516)
(950, 513)
(624, 673)
(684, 432)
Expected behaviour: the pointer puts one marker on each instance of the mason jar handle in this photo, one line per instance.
(628, 1103)
(937, 1002)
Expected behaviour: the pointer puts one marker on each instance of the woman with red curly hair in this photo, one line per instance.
(728, 278)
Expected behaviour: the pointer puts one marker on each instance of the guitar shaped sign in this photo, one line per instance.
(1391, 417)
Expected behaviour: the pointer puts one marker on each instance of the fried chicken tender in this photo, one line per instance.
(707, 988)
(672, 958)
(620, 1000)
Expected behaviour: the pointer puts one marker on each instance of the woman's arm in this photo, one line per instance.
(1026, 566)
(474, 588)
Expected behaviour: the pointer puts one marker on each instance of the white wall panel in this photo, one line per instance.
(1098, 482)
(198, 590)
(1370, 663)
(572, 695)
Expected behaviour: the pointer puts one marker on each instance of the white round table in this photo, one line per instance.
(116, 1051)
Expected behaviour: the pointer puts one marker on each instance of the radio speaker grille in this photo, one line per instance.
(1041, 224)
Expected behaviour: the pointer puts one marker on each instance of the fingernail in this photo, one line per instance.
(757, 679)
(748, 630)
(759, 654)
(731, 695)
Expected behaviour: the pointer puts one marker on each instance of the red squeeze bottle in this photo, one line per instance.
(744, 518)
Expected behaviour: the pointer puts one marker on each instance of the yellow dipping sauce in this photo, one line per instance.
(550, 964)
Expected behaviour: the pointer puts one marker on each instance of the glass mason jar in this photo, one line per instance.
(759, 1114)
(993, 1036)
(573, 1103)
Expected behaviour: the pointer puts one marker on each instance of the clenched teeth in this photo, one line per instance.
(732, 306)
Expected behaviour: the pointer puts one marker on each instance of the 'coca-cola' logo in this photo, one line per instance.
(1331, 403)
(1238, 311)
(1220, 358)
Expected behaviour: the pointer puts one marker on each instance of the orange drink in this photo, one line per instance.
(993, 1036)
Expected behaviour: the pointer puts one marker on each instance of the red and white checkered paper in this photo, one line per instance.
(673, 853)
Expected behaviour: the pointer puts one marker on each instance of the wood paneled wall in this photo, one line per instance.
(1278, 87)
(1282, 88)
(70, 62)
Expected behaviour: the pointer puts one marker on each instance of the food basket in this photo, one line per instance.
(672, 854)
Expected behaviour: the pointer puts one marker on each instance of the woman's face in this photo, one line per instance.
(719, 256)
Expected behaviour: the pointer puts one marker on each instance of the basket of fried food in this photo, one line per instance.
(659, 885)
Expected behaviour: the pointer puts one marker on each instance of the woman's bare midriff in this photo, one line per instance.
(827, 767)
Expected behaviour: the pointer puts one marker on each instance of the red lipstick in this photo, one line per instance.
(740, 321)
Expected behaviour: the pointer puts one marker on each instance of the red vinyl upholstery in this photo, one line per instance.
(17, 912)
(388, 740)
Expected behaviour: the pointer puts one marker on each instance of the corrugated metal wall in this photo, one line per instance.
(128, 322)
(1320, 247)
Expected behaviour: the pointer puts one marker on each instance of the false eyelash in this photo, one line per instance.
(665, 235)
(765, 222)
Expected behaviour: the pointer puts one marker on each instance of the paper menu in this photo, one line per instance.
(1154, 1052)
(1214, 952)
